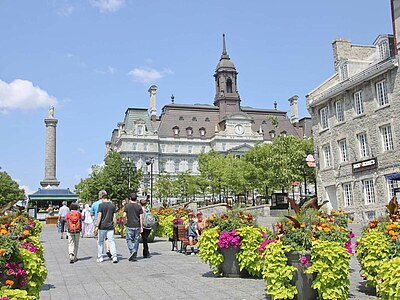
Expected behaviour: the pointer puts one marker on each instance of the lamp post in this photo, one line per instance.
(127, 168)
(151, 162)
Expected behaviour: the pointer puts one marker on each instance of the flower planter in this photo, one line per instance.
(302, 281)
(230, 266)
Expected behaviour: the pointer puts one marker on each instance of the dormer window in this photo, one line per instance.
(139, 129)
(189, 131)
(383, 48)
(202, 131)
(272, 134)
(207, 119)
(283, 133)
(175, 130)
(181, 118)
(194, 119)
(343, 70)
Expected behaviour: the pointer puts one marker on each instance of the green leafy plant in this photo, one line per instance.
(277, 273)
(231, 220)
(36, 271)
(372, 250)
(15, 294)
(208, 249)
(330, 263)
(388, 287)
(248, 256)
(164, 227)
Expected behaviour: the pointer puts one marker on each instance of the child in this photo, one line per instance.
(74, 229)
(201, 222)
(191, 231)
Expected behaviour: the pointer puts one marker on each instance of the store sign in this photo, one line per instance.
(365, 165)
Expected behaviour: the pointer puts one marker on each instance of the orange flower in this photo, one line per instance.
(326, 229)
(25, 232)
(350, 221)
(394, 238)
(302, 225)
(3, 232)
(9, 282)
(2, 251)
(391, 232)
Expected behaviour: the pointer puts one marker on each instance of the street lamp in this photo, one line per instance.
(127, 168)
(151, 162)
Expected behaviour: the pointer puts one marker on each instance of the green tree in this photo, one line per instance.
(10, 192)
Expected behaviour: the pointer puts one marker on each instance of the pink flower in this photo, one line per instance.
(304, 261)
(229, 239)
(263, 244)
(351, 234)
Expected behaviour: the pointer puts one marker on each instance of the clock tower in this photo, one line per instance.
(226, 94)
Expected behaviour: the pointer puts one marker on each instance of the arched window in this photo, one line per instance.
(229, 85)
(202, 131)
(175, 130)
(189, 131)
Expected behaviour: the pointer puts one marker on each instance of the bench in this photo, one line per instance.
(179, 236)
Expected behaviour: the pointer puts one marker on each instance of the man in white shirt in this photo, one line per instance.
(62, 213)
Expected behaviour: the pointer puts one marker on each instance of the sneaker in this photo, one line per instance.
(115, 259)
(109, 254)
(132, 257)
(192, 254)
(100, 259)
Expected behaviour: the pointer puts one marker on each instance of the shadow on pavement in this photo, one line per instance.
(47, 287)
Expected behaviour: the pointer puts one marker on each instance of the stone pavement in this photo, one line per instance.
(166, 275)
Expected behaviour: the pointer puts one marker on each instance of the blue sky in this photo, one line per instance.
(93, 59)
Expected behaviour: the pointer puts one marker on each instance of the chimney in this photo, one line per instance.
(153, 109)
(294, 109)
(341, 50)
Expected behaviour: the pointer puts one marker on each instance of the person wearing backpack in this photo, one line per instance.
(149, 222)
(74, 226)
(133, 214)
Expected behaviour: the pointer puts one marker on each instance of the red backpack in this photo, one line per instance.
(74, 222)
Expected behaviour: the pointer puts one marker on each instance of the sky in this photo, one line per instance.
(92, 59)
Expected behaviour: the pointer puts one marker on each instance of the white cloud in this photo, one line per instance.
(108, 70)
(107, 5)
(66, 10)
(22, 94)
(148, 75)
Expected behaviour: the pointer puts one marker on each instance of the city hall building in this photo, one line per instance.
(355, 129)
(172, 141)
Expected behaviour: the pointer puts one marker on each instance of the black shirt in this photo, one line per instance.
(107, 210)
(133, 211)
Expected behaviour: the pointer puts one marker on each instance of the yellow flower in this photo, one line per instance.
(350, 221)
(2, 251)
(25, 232)
(326, 229)
(3, 232)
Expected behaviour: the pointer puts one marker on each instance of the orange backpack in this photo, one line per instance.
(74, 222)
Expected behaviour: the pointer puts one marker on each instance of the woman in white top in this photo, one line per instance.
(87, 222)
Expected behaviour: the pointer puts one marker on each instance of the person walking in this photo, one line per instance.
(105, 225)
(133, 212)
(74, 221)
(62, 213)
(94, 211)
(87, 224)
(146, 230)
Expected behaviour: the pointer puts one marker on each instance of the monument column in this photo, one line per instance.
(50, 151)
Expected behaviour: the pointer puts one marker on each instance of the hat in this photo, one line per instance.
(190, 214)
(199, 213)
(102, 194)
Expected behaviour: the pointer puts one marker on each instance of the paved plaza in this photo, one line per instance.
(166, 275)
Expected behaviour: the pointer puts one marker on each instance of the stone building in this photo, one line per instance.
(355, 129)
(172, 141)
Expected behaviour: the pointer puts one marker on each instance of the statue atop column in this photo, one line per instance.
(51, 112)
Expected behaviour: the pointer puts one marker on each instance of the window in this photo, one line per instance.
(323, 114)
(207, 119)
(163, 148)
(326, 149)
(339, 111)
(203, 149)
(363, 144)
(146, 147)
(190, 149)
(202, 131)
(139, 130)
(189, 131)
(134, 146)
(194, 119)
(344, 72)
(347, 194)
(229, 85)
(343, 150)
(383, 48)
(369, 193)
(175, 130)
(223, 146)
(392, 184)
(387, 138)
(358, 103)
(181, 118)
(176, 148)
(381, 93)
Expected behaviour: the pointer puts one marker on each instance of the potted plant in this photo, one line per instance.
(378, 251)
(308, 256)
(229, 244)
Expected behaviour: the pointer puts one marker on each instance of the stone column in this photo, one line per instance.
(50, 153)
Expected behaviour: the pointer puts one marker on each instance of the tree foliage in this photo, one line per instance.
(9, 190)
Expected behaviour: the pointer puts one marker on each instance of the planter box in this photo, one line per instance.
(302, 281)
(51, 219)
(230, 266)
